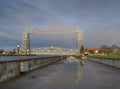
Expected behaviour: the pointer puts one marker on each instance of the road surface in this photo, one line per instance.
(64, 75)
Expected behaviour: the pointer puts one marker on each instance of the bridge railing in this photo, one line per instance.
(110, 62)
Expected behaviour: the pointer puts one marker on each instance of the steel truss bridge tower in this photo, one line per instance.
(51, 30)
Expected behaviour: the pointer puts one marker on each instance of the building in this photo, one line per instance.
(90, 51)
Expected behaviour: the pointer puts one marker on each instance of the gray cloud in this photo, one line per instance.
(99, 19)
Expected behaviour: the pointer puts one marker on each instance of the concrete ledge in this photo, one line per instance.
(10, 69)
(111, 62)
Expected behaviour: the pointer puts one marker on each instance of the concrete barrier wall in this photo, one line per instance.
(110, 62)
(10, 69)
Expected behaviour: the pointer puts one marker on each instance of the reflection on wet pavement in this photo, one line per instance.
(70, 71)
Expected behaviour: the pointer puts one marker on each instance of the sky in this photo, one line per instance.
(99, 20)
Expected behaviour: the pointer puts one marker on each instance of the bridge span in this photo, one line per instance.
(53, 51)
(63, 75)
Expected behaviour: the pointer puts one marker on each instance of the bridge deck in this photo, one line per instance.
(63, 76)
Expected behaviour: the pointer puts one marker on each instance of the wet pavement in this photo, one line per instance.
(68, 74)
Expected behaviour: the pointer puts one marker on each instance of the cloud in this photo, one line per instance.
(107, 36)
(99, 19)
(5, 37)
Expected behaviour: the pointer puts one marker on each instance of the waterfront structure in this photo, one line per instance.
(51, 30)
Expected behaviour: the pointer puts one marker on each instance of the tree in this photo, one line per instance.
(1, 51)
(104, 49)
(82, 49)
(110, 50)
(114, 49)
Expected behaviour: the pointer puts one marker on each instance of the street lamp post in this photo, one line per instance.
(28, 51)
(18, 49)
(96, 51)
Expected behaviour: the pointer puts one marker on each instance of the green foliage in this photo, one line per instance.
(110, 50)
(1, 51)
(108, 56)
(82, 49)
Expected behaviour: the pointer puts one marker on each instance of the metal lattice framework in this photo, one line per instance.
(53, 50)
(51, 30)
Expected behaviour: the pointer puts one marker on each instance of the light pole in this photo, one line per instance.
(18, 49)
(28, 51)
(96, 51)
